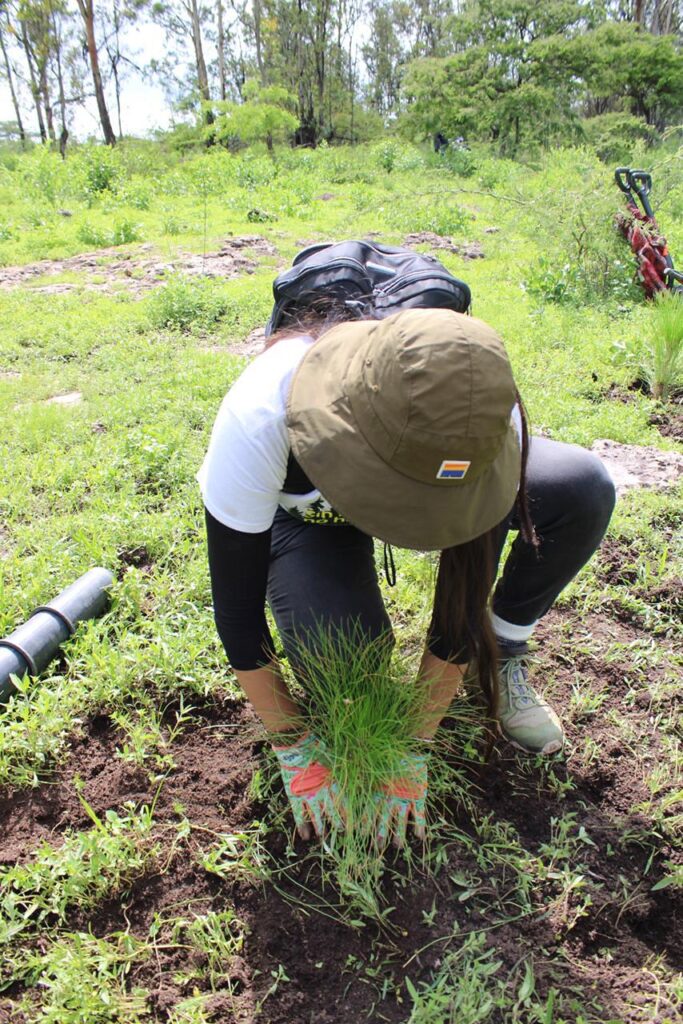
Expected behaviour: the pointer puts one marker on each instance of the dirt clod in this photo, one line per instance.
(669, 422)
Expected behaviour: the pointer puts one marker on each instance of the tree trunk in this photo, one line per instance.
(64, 134)
(115, 60)
(88, 14)
(221, 51)
(10, 80)
(202, 75)
(35, 91)
(257, 41)
(47, 102)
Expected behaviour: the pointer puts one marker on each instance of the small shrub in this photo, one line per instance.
(552, 283)
(573, 284)
(91, 235)
(184, 303)
(459, 161)
(443, 218)
(256, 216)
(253, 171)
(170, 225)
(137, 194)
(100, 171)
(123, 232)
(387, 156)
(614, 135)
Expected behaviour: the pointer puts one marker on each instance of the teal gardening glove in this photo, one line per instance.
(402, 798)
(312, 793)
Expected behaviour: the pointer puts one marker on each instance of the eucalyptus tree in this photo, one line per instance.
(114, 18)
(6, 35)
(185, 21)
(87, 12)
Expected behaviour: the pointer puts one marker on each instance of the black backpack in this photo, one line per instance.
(370, 279)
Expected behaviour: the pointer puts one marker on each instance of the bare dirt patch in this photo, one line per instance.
(71, 398)
(632, 465)
(139, 269)
(467, 250)
(331, 972)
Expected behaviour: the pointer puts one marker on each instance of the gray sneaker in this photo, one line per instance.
(525, 719)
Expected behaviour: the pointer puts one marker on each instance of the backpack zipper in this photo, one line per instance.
(341, 261)
(410, 279)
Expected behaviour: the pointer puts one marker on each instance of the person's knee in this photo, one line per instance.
(602, 489)
(592, 493)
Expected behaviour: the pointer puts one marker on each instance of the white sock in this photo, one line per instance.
(508, 633)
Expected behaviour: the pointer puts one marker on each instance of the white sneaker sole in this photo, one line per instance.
(551, 747)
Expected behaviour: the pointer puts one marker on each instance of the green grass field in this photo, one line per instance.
(149, 872)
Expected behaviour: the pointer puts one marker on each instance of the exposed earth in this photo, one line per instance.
(137, 269)
(594, 948)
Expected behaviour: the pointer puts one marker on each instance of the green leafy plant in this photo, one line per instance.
(240, 855)
(184, 303)
(387, 155)
(122, 233)
(443, 218)
(83, 980)
(85, 868)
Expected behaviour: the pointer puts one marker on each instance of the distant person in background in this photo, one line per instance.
(440, 143)
(411, 430)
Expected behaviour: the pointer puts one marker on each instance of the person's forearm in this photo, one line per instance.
(267, 693)
(443, 680)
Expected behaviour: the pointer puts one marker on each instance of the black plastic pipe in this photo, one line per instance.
(31, 647)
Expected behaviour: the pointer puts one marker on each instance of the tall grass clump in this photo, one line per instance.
(187, 303)
(662, 358)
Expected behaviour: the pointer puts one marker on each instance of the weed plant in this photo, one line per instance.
(85, 981)
(184, 303)
(88, 867)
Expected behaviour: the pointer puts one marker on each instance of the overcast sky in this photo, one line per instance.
(143, 105)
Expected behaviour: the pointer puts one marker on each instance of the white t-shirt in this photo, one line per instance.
(242, 476)
(244, 470)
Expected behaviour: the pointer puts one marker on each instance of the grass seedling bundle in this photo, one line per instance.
(367, 706)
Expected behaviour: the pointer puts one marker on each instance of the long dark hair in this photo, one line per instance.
(464, 581)
(466, 572)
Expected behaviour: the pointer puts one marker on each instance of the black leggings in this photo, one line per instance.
(325, 576)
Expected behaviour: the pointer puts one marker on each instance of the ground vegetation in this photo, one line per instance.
(149, 866)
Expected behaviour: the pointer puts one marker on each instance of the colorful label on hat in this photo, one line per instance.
(452, 469)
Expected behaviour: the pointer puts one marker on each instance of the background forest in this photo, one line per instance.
(513, 72)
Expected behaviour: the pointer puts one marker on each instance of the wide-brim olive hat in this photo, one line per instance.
(404, 426)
